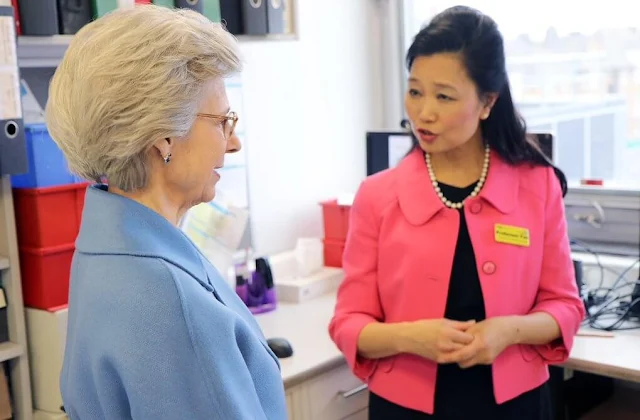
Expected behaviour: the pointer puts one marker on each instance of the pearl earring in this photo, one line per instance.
(167, 158)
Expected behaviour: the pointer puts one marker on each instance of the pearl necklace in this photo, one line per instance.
(476, 190)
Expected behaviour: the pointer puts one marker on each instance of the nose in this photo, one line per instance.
(233, 144)
(428, 112)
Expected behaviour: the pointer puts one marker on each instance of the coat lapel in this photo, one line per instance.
(418, 199)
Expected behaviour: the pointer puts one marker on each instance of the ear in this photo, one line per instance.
(488, 103)
(164, 147)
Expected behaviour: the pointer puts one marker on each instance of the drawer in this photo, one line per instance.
(360, 415)
(45, 415)
(290, 405)
(336, 395)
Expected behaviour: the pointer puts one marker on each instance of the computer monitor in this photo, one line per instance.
(386, 148)
(545, 140)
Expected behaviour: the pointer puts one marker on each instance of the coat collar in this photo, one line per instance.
(116, 225)
(419, 201)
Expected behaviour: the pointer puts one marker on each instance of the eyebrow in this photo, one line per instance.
(445, 86)
(439, 85)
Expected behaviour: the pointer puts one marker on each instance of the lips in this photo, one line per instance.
(426, 135)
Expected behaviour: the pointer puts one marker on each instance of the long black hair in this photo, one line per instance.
(476, 38)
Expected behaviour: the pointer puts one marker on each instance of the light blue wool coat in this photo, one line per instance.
(154, 331)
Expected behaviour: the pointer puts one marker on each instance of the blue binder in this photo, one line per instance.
(190, 4)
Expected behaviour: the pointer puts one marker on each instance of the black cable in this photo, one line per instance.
(588, 250)
(616, 284)
(615, 310)
(607, 310)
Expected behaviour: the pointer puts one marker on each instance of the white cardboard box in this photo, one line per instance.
(297, 290)
(46, 335)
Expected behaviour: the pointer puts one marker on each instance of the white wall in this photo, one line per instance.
(307, 106)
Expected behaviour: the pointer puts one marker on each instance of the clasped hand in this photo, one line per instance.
(465, 343)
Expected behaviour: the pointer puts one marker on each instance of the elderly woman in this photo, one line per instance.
(154, 332)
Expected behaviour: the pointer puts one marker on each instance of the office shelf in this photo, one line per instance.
(47, 51)
(42, 51)
(15, 351)
(10, 351)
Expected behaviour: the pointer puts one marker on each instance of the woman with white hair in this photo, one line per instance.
(154, 332)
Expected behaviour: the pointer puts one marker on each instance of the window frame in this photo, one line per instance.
(584, 206)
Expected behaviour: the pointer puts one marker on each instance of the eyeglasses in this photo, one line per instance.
(230, 121)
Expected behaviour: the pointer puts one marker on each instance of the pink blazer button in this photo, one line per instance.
(476, 207)
(489, 267)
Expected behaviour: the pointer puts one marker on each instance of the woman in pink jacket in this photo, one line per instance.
(459, 287)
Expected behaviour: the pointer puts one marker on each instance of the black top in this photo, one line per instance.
(466, 393)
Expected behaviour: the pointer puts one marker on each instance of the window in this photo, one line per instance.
(578, 79)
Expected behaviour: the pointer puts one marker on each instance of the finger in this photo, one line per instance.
(461, 325)
(465, 354)
(449, 346)
(466, 364)
(460, 337)
(451, 357)
(475, 327)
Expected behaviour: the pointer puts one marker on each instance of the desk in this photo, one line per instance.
(318, 383)
(617, 357)
(306, 326)
(318, 368)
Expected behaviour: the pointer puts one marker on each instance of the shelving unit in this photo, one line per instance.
(14, 351)
(47, 51)
(42, 51)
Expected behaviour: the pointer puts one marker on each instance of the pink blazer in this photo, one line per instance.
(397, 262)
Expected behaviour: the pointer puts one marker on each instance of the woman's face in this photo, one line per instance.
(192, 172)
(442, 103)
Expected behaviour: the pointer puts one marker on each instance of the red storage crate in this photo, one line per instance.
(48, 216)
(45, 275)
(16, 16)
(336, 220)
(333, 250)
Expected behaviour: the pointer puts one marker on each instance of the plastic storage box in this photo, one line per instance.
(45, 275)
(333, 250)
(47, 165)
(50, 216)
(336, 220)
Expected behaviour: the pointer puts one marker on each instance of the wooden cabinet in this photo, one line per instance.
(333, 395)
(360, 415)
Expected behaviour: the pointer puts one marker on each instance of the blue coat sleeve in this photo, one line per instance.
(189, 356)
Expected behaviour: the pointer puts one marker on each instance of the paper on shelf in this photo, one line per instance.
(33, 112)
(10, 106)
(217, 229)
(398, 147)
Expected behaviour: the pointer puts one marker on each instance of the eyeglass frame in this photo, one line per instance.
(232, 116)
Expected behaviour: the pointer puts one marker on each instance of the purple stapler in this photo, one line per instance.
(259, 293)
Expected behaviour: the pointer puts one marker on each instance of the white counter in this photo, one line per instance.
(616, 357)
(306, 326)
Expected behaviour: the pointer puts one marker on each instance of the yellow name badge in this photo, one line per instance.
(512, 235)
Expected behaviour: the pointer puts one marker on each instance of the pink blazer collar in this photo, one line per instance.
(419, 201)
